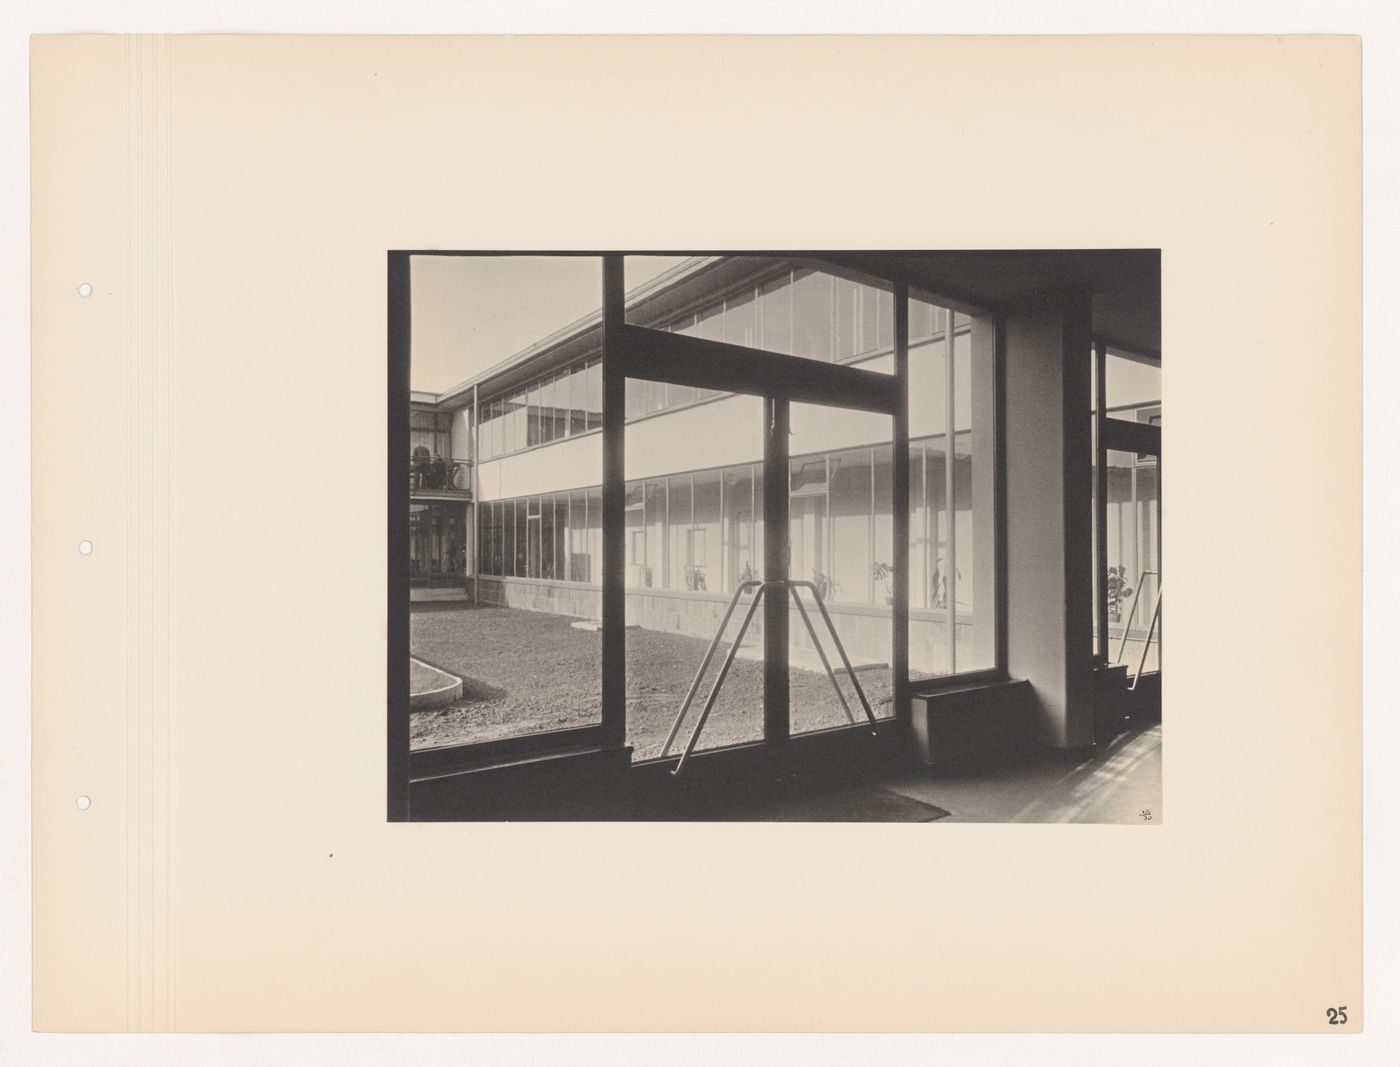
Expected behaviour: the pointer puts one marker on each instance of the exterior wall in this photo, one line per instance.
(574, 463)
(716, 434)
(725, 432)
(865, 632)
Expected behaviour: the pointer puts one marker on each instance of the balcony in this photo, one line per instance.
(436, 478)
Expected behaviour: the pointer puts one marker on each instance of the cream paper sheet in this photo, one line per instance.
(212, 674)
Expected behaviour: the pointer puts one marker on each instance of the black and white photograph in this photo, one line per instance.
(776, 536)
(618, 533)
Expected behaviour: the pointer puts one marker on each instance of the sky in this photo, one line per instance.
(470, 312)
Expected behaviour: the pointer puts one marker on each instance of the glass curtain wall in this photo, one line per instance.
(526, 668)
(699, 531)
(951, 494)
(563, 404)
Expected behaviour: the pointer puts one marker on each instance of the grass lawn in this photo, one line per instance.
(524, 672)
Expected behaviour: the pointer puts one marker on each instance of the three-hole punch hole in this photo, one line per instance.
(84, 802)
(85, 548)
(85, 290)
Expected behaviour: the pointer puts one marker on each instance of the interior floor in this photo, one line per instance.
(1119, 782)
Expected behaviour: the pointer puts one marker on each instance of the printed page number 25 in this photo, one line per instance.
(1337, 1016)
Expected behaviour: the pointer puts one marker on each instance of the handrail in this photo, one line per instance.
(719, 681)
(762, 587)
(840, 648)
(821, 655)
(1132, 610)
(705, 663)
(1147, 642)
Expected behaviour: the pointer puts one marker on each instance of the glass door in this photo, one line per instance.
(693, 565)
(841, 565)
(760, 507)
(760, 590)
(1129, 587)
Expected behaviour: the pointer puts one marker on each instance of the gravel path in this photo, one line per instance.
(524, 672)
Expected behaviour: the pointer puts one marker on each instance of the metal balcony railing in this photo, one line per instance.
(436, 474)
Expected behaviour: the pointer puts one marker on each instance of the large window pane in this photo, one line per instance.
(548, 539)
(637, 574)
(525, 668)
(812, 310)
(852, 320)
(654, 557)
(595, 535)
(559, 406)
(741, 319)
(533, 431)
(677, 528)
(548, 403)
(852, 504)
(574, 537)
(952, 528)
(840, 507)
(807, 516)
(507, 538)
(1133, 561)
(769, 302)
(593, 394)
(532, 558)
(482, 513)
(740, 563)
(578, 392)
(1131, 384)
(690, 527)
(775, 312)
(709, 323)
(918, 525)
(522, 540)
(703, 538)
(632, 399)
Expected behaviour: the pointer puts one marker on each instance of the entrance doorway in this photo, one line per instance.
(762, 599)
(437, 544)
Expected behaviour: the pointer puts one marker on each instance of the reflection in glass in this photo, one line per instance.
(1133, 562)
(685, 531)
(703, 539)
(1130, 384)
(841, 525)
(812, 314)
(738, 503)
(775, 308)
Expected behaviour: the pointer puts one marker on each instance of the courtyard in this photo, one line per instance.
(527, 672)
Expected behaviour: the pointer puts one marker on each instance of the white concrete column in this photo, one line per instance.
(1048, 595)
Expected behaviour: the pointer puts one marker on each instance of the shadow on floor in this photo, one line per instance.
(1118, 784)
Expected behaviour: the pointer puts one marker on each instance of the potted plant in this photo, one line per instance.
(884, 572)
(1118, 591)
